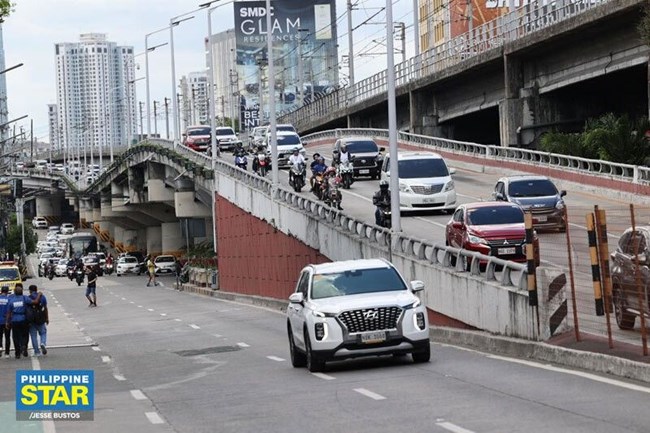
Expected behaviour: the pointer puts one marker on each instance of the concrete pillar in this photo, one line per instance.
(130, 241)
(511, 107)
(172, 238)
(423, 110)
(48, 206)
(141, 243)
(154, 240)
(136, 185)
(159, 192)
(187, 207)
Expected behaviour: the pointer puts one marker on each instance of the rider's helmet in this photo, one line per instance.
(383, 185)
(316, 156)
(330, 170)
(296, 151)
(344, 148)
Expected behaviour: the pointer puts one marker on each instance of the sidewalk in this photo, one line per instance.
(591, 354)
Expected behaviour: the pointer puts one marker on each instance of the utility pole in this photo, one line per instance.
(178, 113)
(167, 100)
(193, 107)
(223, 111)
(402, 28)
(350, 45)
(141, 123)
(155, 118)
(234, 78)
(31, 134)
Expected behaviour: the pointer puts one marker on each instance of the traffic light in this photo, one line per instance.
(18, 188)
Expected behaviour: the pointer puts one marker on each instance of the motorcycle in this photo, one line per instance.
(50, 272)
(262, 163)
(109, 268)
(318, 185)
(297, 177)
(70, 272)
(79, 276)
(346, 172)
(331, 194)
(241, 161)
(384, 215)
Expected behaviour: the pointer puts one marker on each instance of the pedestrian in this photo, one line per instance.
(151, 269)
(17, 319)
(5, 331)
(91, 288)
(38, 325)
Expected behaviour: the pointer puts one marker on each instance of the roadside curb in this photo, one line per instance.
(485, 342)
(539, 351)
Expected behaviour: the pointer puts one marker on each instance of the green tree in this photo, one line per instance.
(618, 138)
(567, 144)
(14, 239)
(6, 7)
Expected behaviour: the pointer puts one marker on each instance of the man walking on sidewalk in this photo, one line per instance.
(5, 331)
(91, 289)
(38, 322)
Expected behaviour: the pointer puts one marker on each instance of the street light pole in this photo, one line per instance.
(392, 122)
(350, 44)
(146, 69)
(271, 79)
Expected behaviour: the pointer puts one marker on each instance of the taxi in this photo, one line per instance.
(10, 275)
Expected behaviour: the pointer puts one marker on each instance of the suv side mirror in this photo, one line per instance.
(382, 149)
(452, 171)
(499, 196)
(562, 193)
(297, 298)
(417, 286)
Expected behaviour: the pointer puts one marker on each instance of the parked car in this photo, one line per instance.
(537, 195)
(633, 247)
(197, 138)
(67, 228)
(367, 159)
(39, 223)
(355, 308)
(127, 265)
(493, 228)
(165, 264)
(226, 138)
(424, 181)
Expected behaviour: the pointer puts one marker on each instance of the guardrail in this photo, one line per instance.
(525, 20)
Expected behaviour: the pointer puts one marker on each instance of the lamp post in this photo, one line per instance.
(146, 69)
(272, 126)
(392, 122)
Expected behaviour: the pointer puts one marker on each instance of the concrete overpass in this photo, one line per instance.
(545, 66)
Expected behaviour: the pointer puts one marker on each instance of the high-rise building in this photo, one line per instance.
(53, 123)
(4, 110)
(194, 99)
(225, 73)
(95, 93)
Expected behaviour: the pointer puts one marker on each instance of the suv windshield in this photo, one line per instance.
(224, 131)
(356, 282)
(199, 131)
(8, 274)
(495, 215)
(288, 128)
(286, 140)
(418, 168)
(532, 188)
(361, 146)
(164, 259)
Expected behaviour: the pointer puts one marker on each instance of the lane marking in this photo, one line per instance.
(453, 427)
(275, 358)
(370, 394)
(124, 299)
(323, 376)
(119, 377)
(238, 344)
(178, 320)
(96, 348)
(139, 306)
(138, 395)
(48, 425)
(582, 374)
(195, 326)
(132, 302)
(163, 314)
(154, 418)
(89, 339)
(106, 359)
(149, 309)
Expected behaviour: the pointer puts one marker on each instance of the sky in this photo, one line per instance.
(31, 31)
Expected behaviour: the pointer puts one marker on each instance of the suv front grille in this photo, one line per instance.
(370, 319)
(427, 189)
(505, 242)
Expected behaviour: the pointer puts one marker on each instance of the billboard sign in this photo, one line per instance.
(311, 22)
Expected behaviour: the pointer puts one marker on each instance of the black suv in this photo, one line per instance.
(537, 195)
(632, 246)
(366, 156)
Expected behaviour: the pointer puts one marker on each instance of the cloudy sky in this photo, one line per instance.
(36, 25)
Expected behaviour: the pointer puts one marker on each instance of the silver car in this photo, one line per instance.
(355, 308)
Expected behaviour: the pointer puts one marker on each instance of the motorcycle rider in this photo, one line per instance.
(330, 180)
(294, 159)
(343, 156)
(317, 167)
(381, 200)
(260, 149)
(240, 158)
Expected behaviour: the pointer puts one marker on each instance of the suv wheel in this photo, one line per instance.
(422, 356)
(624, 319)
(314, 364)
(298, 359)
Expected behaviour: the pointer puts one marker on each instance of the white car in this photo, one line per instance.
(288, 141)
(67, 228)
(355, 308)
(424, 181)
(226, 138)
(39, 223)
(61, 268)
(165, 264)
(127, 265)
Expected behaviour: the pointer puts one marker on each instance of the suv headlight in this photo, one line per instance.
(414, 304)
(405, 188)
(449, 186)
(559, 205)
(476, 240)
(321, 314)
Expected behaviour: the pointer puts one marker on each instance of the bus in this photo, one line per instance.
(80, 244)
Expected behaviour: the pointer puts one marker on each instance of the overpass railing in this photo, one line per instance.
(525, 20)
(624, 172)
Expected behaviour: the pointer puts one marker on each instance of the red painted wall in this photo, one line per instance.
(255, 258)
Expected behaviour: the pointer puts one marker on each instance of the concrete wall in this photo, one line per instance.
(154, 240)
(172, 238)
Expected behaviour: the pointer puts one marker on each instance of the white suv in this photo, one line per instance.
(355, 308)
(39, 223)
(67, 229)
(424, 181)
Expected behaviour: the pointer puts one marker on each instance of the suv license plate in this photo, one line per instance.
(507, 251)
(373, 337)
(541, 218)
(364, 171)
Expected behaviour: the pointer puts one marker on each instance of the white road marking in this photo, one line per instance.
(132, 302)
(119, 377)
(124, 299)
(149, 309)
(275, 358)
(139, 306)
(76, 323)
(154, 418)
(195, 326)
(96, 348)
(68, 314)
(238, 344)
(48, 425)
(370, 394)
(163, 314)
(138, 395)
(582, 374)
(178, 320)
(106, 359)
(453, 427)
(89, 339)
(435, 223)
(323, 376)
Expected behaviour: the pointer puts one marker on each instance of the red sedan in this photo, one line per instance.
(491, 228)
(197, 138)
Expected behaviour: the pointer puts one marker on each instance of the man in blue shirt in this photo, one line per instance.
(38, 327)
(17, 319)
(5, 331)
